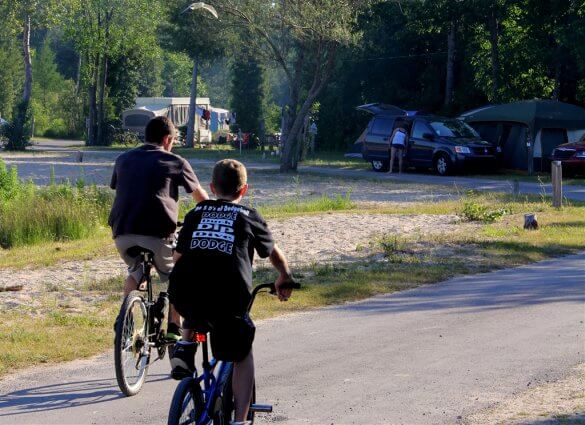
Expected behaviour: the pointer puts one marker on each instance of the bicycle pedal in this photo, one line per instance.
(261, 408)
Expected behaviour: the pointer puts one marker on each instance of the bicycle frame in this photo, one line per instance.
(213, 375)
(214, 372)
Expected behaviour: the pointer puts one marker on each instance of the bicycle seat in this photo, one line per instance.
(137, 251)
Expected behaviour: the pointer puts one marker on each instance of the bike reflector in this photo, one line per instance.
(200, 337)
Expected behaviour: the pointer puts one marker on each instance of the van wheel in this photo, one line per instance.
(443, 164)
(380, 165)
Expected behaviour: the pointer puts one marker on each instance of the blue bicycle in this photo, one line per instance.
(207, 399)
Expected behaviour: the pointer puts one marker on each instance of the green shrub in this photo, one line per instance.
(474, 211)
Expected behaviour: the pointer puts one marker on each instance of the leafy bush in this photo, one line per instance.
(18, 131)
(474, 211)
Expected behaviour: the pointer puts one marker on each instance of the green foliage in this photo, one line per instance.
(56, 109)
(401, 59)
(10, 76)
(19, 130)
(61, 212)
(476, 211)
(247, 98)
(177, 71)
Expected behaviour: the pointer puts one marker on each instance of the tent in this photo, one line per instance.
(528, 131)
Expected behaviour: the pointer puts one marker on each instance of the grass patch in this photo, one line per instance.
(98, 245)
(31, 215)
(27, 341)
(319, 205)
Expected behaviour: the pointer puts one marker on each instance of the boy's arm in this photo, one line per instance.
(279, 262)
(199, 194)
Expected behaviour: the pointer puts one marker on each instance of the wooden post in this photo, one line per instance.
(530, 222)
(516, 188)
(557, 182)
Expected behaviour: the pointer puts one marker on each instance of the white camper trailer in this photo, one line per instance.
(176, 108)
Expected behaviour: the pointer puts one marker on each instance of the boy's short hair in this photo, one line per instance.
(157, 128)
(228, 177)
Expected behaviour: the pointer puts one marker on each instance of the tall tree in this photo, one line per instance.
(104, 31)
(197, 34)
(303, 38)
(22, 17)
(247, 93)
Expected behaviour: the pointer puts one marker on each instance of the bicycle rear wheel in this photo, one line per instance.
(131, 349)
(187, 403)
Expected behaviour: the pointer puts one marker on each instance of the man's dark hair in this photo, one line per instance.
(157, 128)
(228, 177)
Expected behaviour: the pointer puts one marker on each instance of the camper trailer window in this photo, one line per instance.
(137, 120)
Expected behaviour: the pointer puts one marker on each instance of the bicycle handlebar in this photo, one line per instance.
(272, 289)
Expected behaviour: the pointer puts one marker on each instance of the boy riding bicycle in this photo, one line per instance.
(211, 283)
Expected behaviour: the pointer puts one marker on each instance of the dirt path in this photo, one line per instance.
(306, 240)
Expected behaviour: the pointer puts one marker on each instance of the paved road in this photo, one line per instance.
(427, 356)
(62, 157)
(460, 183)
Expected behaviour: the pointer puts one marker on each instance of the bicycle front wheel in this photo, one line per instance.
(187, 403)
(131, 348)
(226, 412)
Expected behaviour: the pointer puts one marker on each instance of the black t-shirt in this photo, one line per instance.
(217, 243)
(147, 181)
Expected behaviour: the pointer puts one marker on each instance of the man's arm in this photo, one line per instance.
(199, 194)
(279, 262)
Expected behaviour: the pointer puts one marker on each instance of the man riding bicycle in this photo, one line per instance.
(145, 209)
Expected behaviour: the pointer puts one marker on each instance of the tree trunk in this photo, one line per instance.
(101, 136)
(28, 77)
(78, 77)
(451, 52)
(20, 133)
(190, 142)
(495, 54)
(290, 153)
(289, 158)
(92, 99)
(556, 94)
(101, 133)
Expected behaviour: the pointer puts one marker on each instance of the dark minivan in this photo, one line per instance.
(446, 145)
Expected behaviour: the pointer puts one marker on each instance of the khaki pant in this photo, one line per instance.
(161, 248)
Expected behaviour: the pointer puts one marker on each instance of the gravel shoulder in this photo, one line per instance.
(560, 402)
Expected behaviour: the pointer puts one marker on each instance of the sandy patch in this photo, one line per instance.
(560, 402)
(340, 237)
(306, 240)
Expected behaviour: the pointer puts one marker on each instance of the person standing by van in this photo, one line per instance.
(398, 141)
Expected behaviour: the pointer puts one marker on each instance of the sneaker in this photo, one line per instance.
(173, 333)
(183, 360)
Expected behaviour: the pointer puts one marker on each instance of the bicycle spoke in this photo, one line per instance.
(133, 357)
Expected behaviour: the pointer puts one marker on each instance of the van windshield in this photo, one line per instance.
(453, 128)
